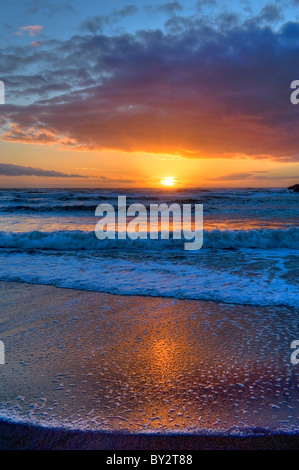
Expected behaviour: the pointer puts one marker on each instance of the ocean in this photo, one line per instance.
(249, 253)
(152, 359)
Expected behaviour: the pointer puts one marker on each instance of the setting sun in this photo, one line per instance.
(168, 181)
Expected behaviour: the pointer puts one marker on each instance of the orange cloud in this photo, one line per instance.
(31, 30)
(157, 92)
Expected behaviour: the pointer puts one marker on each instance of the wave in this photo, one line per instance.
(63, 208)
(214, 239)
(266, 202)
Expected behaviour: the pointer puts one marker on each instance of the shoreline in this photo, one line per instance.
(144, 369)
(161, 297)
(16, 436)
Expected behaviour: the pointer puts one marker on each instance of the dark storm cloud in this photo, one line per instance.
(16, 170)
(196, 90)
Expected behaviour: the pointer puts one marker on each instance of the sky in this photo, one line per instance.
(136, 94)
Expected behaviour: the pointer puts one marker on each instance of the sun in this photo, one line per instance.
(168, 181)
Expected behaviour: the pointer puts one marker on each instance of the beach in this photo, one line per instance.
(94, 370)
(25, 437)
(149, 229)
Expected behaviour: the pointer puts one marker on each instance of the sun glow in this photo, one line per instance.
(168, 181)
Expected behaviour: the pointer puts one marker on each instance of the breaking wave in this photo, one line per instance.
(213, 239)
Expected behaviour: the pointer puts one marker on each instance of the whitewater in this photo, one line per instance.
(249, 253)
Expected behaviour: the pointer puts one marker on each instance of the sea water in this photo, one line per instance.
(249, 253)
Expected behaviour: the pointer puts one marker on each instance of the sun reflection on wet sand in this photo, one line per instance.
(97, 361)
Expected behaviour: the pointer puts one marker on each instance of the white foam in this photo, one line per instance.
(66, 240)
(246, 277)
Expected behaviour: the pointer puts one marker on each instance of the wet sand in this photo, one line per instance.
(24, 437)
(120, 372)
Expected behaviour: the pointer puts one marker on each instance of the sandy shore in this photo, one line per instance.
(99, 371)
(24, 437)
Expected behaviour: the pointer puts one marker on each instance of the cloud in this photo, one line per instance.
(49, 8)
(97, 23)
(205, 3)
(196, 90)
(170, 8)
(251, 175)
(36, 43)
(236, 176)
(271, 13)
(31, 30)
(7, 169)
